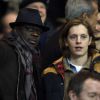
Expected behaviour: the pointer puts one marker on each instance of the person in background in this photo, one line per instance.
(19, 57)
(6, 19)
(87, 9)
(81, 9)
(42, 6)
(96, 59)
(84, 86)
(97, 33)
(75, 42)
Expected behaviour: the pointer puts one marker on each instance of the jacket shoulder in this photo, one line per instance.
(50, 69)
(58, 61)
(96, 62)
(95, 55)
(53, 68)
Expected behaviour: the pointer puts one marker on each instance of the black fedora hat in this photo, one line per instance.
(24, 3)
(29, 16)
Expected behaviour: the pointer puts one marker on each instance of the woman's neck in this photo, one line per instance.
(79, 60)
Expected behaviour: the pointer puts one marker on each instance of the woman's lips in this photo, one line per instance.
(78, 48)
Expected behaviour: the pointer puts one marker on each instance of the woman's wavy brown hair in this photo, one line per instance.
(65, 31)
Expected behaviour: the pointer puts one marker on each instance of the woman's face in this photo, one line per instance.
(78, 40)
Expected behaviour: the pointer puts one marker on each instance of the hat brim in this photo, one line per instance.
(43, 28)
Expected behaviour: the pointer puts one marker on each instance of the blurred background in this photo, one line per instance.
(55, 8)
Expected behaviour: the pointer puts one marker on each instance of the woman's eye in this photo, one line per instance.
(84, 36)
(72, 37)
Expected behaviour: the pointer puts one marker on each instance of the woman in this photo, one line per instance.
(75, 42)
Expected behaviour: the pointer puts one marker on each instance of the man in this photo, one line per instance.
(42, 7)
(73, 9)
(84, 86)
(19, 57)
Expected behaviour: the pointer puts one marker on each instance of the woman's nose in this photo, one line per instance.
(78, 40)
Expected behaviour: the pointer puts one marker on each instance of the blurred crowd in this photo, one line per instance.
(50, 50)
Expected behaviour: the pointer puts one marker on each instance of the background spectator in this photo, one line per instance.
(84, 86)
(6, 19)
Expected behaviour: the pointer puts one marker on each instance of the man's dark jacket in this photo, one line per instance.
(12, 74)
(9, 72)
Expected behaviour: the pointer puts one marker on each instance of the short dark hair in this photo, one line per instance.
(77, 81)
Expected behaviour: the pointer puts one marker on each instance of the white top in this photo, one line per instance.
(78, 68)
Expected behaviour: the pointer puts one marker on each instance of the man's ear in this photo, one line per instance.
(72, 95)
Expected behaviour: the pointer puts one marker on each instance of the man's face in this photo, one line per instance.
(30, 34)
(39, 6)
(98, 23)
(92, 19)
(78, 40)
(90, 90)
(97, 32)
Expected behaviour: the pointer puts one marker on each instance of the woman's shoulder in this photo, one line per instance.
(50, 69)
(55, 68)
